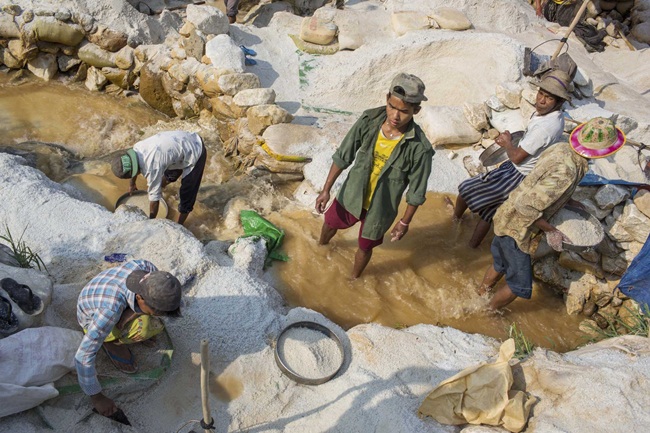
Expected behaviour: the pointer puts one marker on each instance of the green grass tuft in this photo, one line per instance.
(23, 254)
(523, 346)
(639, 324)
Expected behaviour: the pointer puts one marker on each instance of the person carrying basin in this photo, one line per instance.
(526, 213)
(162, 159)
(483, 194)
(389, 152)
(118, 307)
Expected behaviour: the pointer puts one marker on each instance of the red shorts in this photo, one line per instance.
(338, 218)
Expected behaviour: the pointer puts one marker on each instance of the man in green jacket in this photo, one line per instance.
(390, 152)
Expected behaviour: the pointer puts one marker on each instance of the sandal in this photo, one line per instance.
(23, 296)
(8, 320)
(247, 51)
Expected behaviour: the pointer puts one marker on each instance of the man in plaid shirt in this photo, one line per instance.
(116, 308)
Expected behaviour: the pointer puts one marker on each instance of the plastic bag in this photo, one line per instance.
(256, 226)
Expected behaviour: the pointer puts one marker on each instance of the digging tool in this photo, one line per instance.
(207, 422)
(575, 21)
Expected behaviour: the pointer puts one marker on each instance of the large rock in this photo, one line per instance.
(476, 115)
(225, 54)
(509, 94)
(577, 292)
(642, 201)
(208, 80)
(207, 19)
(633, 225)
(44, 66)
(231, 84)
(152, 90)
(609, 196)
(95, 80)
(49, 29)
(450, 19)
(10, 61)
(194, 45)
(251, 97)
(21, 50)
(572, 260)
(125, 58)
(261, 117)
(447, 125)
(96, 56)
(108, 39)
(294, 140)
(120, 77)
(67, 62)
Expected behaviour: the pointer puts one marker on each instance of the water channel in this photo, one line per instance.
(428, 277)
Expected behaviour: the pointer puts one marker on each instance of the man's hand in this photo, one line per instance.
(398, 231)
(504, 139)
(322, 200)
(555, 239)
(104, 405)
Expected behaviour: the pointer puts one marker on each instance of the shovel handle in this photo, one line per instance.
(205, 378)
(575, 21)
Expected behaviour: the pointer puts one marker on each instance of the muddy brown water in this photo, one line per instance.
(428, 277)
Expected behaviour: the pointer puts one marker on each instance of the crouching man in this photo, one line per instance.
(526, 212)
(116, 308)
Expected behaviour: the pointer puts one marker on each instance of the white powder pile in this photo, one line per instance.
(579, 230)
(309, 353)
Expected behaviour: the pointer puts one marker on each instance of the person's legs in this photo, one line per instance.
(491, 277)
(502, 297)
(190, 185)
(137, 330)
(480, 231)
(361, 260)
(232, 8)
(458, 209)
(336, 217)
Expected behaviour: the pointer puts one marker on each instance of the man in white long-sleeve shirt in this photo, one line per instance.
(162, 159)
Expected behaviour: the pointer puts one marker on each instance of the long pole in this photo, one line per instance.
(205, 378)
(577, 18)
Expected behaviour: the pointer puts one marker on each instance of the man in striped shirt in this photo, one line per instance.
(484, 194)
(116, 308)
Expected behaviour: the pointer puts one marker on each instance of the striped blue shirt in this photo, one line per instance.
(99, 308)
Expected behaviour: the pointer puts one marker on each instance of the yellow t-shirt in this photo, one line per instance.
(383, 149)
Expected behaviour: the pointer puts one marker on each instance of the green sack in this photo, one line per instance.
(256, 226)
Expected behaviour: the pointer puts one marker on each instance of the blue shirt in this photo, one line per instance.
(100, 306)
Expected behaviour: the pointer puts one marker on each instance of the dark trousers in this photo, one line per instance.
(190, 184)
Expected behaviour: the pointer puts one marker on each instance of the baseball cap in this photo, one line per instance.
(160, 290)
(125, 166)
(408, 88)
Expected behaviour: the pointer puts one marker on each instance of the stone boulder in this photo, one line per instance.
(152, 90)
(44, 66)
(67, 62)
(122, 78)
(21, 50)
(108, 39)
(251, 97)
(403, 22)
(261, 117)
(125, 57)
(95, 80)
(207, 19)
(231, 84)
(225, 54)
(476, 115)
(509, 94)
(633, 225)
(573, 261)
(447, 125)
(609, 196)
(642, 202)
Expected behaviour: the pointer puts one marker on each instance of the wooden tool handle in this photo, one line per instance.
(575, 21)
(205, 378)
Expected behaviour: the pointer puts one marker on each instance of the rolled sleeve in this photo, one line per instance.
(418, 179)
(101, 326)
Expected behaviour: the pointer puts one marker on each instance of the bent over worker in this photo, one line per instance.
(527, 212)
(162, 159)
(483, 194)
(390, 152)
(118, 307)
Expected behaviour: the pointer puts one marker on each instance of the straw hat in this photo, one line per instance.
(597, 138)
(557, 83)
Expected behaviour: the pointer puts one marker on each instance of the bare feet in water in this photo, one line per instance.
(451, 207)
